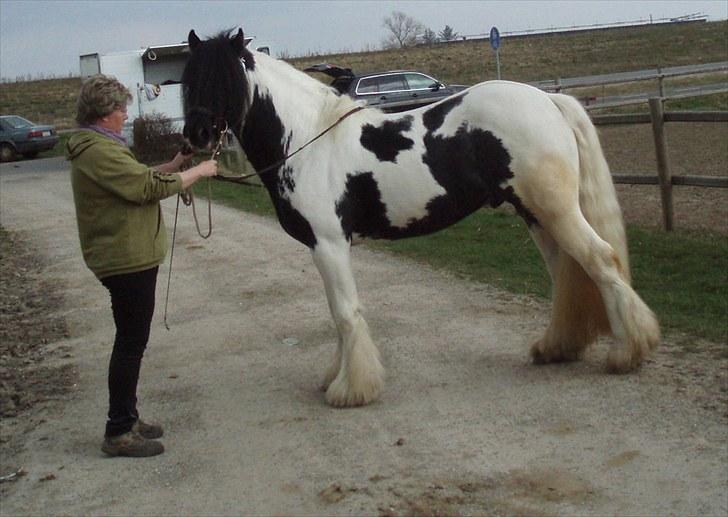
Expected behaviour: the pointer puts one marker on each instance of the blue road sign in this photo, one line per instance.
(494, 38)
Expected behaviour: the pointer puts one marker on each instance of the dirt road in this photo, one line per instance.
(466, 424)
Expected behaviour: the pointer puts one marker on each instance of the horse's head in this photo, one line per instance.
(214, 86)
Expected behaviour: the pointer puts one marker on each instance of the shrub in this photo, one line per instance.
(155, 139)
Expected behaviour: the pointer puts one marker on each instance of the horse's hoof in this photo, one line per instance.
(553, 354)
(340, 394)
(621, 360)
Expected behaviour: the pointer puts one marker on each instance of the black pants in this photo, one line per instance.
(132, 302)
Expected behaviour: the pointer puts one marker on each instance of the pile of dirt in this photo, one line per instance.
(28, 323)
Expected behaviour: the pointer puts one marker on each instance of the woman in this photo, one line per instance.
(123, 240)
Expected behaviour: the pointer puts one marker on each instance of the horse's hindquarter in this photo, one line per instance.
(416, 172)
(523, 119)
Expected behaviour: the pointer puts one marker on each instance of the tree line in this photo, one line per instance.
(404, 31)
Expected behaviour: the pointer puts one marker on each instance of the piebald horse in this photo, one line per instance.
(391, 176)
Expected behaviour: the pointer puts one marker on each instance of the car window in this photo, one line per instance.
(367, 85)
(419, 81)
(391, 83)
(16, 122)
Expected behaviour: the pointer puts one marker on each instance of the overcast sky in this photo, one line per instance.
(47, 37)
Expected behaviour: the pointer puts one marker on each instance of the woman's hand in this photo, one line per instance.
(175, 163)
(207, 168)
(190, 176)
(181, 160)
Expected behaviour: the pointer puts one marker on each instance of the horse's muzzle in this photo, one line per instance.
(200, 128)
(199, 136)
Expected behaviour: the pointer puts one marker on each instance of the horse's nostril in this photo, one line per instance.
(203, 135)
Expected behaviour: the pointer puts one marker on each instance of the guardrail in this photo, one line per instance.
(651, 74)
(558, 84)
(657, 117)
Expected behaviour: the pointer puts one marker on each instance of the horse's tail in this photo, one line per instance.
(578, 306)
(597, 196)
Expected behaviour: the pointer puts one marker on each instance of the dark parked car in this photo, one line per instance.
(397, 90)
(21, 136)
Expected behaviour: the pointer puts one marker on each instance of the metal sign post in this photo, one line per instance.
(495, 43)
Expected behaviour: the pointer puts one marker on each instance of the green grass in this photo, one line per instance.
(489, 246)
(242, 197)
(683, 276)
(550, 56)
(534, 58)
(47, 101)
(716, 101)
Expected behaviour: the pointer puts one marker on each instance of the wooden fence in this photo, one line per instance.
(652, 74)
(657, 117)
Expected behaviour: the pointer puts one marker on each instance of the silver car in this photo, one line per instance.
(395, 90)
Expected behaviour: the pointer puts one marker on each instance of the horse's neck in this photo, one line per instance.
(304, 106)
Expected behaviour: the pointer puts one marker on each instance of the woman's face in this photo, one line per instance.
(114, 120)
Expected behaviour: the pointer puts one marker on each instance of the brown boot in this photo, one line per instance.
(148, 431)
(131, 444)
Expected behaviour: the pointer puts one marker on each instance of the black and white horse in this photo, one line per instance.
(392, 176)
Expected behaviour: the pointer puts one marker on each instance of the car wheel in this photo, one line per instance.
(7, 153)
(30, 155)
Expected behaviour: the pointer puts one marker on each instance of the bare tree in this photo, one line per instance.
(448, 34)
(403, 30)
(429, 37)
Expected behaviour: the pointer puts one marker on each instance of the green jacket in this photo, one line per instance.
(117, 205)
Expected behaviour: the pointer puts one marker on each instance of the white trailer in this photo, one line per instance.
(152, 75)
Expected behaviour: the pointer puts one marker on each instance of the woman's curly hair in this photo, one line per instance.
(100, 95)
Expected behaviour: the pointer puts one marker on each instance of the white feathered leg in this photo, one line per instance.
(356, 376)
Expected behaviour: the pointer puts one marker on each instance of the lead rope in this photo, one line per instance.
(274, 166)
(171, 257)
(188, 199)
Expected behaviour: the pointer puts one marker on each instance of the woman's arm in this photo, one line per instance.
(175, 163)
(206, 168)
(191, 175)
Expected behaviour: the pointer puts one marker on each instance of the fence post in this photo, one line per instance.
(661, 83)
(663, 165)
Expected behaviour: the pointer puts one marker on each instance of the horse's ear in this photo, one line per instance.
(238, 43)
(193, 40)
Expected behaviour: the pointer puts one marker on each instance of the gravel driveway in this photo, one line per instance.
(466, 425)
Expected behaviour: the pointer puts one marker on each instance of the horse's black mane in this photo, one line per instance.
(214, 78)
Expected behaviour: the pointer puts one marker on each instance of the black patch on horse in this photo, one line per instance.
(360, 208)
(386, 141)
(294, 223)
(472, 165)
(435, 116)
(262, 138)
(287, 184)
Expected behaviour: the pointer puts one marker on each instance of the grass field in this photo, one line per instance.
(48, 101)
(524, 59)
(550, 56)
